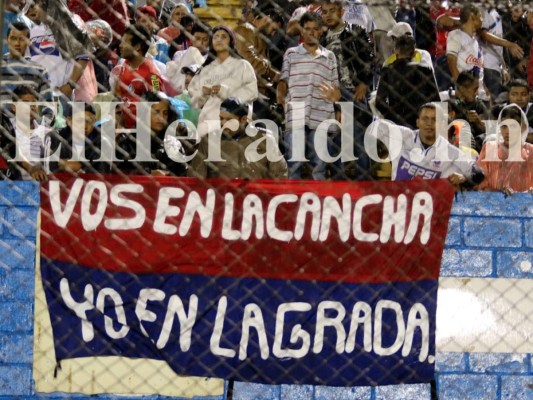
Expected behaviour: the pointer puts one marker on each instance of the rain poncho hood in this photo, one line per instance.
(524, 126)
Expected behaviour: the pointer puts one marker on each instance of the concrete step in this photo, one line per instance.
(216, 15)
(215, 3)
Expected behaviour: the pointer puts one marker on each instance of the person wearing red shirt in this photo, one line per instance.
(445, 18)
(136, 75)
(512, 170)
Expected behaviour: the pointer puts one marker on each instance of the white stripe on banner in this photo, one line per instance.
(485, 315)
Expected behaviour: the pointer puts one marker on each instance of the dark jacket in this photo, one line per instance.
(63, 137)
(358, 53)
(235, 164)
(252, 46)
(127, 150)
(403, 88)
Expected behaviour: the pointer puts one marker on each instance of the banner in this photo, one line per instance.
(323, 283)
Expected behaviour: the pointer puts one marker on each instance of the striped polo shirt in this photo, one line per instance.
(303, 73)
(15, 72)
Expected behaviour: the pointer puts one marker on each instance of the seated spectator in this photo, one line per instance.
(164, 7)
(162, 149)
(513, 171)
(470, 108)
(146, 17)
(459, 132)
(233, 143)
(168, 5)
(136, 75)
(177, 33)
(404, 86)
(196, 54)
(518, 92)
(29, 137)
(16, 67)
(65, 138)
(223, 75)
(192, 113)
(421, 150)
(13, 13)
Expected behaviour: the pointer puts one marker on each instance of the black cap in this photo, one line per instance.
(235, 106)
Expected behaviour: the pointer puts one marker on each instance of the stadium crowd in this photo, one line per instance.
(308, 84)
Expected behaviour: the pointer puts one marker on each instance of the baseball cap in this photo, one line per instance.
(400, 29)
(147, 10)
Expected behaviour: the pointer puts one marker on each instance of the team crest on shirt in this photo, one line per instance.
(155, 83)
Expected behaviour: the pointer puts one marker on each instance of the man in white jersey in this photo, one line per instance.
(463, 51)
(462, 48)
(424, 153)
(45, 50)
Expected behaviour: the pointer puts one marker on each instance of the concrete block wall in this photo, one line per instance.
(19, 205)
(489, 236)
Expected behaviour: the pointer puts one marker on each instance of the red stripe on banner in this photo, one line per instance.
(380, 236)
(3, 163)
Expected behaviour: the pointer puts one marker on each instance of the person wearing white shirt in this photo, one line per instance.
(196, 54)
(425, 153)
(223, 75)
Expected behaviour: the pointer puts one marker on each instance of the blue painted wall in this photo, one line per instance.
(489, 236)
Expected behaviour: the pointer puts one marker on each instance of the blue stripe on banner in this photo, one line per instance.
(269, 331)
